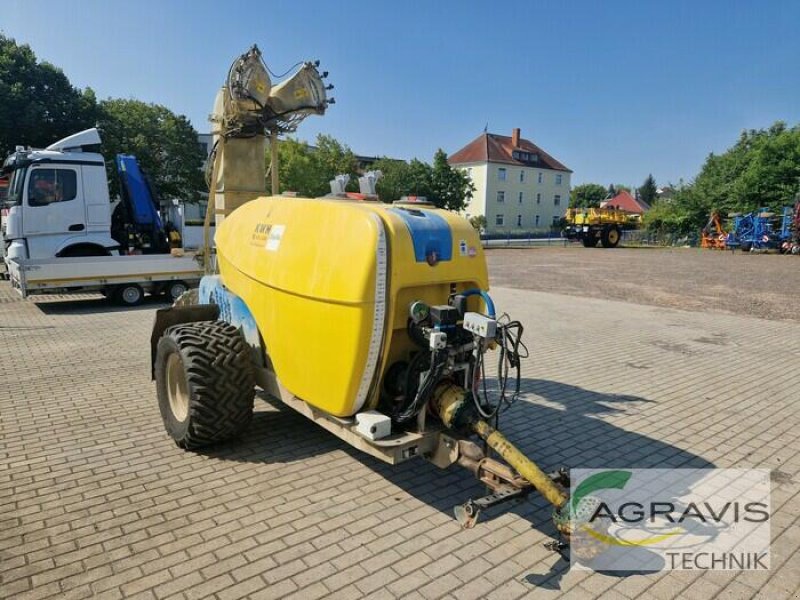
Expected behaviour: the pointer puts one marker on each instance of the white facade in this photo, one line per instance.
(516, 198)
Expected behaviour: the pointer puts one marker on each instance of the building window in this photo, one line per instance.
(556, 219)
(47, 186)
(526, 157)
(520, 197)
(501, 196)
(519, 220)
(522, 176)
(558, 179)
(498, 220)
(538, 198)
(537, 220)
(501, 174)
(469, 172)
(557, 200)
(541, 177)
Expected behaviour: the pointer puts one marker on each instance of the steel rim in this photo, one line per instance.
(177, 290)
(131, 295)
(177, 390)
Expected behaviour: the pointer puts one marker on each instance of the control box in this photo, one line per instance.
(444, 315)
(373, 425)
(438, 340)
(480, 325)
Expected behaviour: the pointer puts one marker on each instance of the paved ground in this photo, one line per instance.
(96, 501)
(758, 285)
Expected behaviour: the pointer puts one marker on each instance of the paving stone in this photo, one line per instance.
(98, 502)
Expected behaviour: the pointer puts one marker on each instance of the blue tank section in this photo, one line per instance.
(430, 234)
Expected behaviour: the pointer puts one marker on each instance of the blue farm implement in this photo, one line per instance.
(764, 230)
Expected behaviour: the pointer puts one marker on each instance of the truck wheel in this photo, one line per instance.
(204, 382)
(175, 289)
(589, 241)
(610, 237)
(129, 294)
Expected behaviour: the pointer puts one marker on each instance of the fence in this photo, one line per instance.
(642, 237)
(524, 238)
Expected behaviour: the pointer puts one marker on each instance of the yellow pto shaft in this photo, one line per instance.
(455, 409)
(523, 465)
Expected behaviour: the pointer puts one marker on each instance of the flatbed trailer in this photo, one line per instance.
(124, 278)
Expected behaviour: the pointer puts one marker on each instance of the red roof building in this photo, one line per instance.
(626, 202)
(512, 150)
(518, 186)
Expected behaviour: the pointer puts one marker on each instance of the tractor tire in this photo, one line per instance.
(610, 237)
(589, 241)
(204, 382)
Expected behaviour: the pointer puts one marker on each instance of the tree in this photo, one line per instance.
(647, 191)
(761, 170)
(165, 144)
(418, 179)
(479, 222)
(400, 178)
(587, 195)
(297, 173)
(38, 104)
(394, 181)
(440, 183)
(308, 170)
(450, 188)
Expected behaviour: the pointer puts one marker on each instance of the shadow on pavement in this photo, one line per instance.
(555, 424)
(99, 305)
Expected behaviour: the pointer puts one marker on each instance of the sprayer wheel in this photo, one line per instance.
(610, 237)
(204, 382)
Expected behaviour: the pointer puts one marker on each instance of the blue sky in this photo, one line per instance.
(615, 90)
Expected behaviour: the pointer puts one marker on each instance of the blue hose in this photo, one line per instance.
(486, 299)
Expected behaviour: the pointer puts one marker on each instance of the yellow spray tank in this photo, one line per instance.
(372, 320)
(352, 302)
(329, 282)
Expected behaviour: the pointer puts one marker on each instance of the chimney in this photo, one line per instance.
(515, 138)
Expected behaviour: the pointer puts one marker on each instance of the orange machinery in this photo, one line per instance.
(713, 236)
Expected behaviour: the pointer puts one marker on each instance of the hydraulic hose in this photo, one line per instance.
(487, 299)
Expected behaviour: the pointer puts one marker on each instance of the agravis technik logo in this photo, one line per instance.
(655, 519)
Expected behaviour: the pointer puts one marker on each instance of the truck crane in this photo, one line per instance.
(372, 320)
(59, 204)
(61, 235)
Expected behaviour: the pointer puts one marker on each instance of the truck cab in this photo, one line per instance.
(58, 203)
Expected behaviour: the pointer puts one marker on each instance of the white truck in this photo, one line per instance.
(59, 235)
